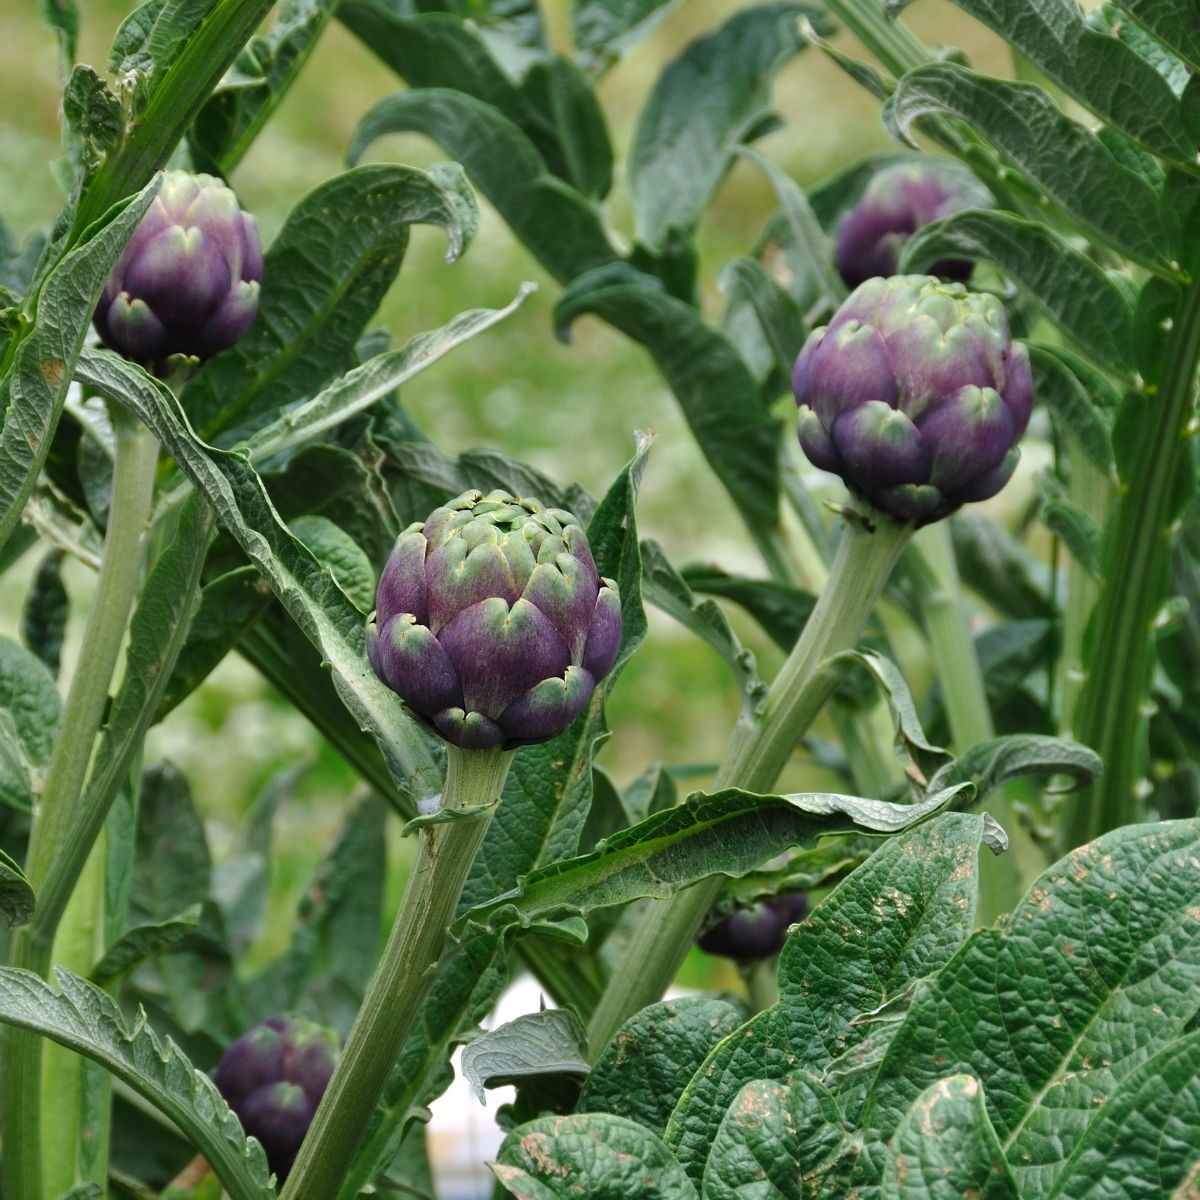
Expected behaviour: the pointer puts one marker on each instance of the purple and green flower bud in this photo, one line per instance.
(916, 395)
(894, 205)
(492, 623)
(188, 281)
(273, 1077)
(757, 932)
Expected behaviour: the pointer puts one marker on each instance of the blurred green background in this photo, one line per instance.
(570, 410)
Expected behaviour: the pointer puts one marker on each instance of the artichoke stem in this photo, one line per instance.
(474, 780)
(758, 751)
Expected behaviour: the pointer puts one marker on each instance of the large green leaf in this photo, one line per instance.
(1072, 402)
(323, 279)
(1060, 156)
(308, 592)
(597, 1155)
(1096, 970)
(897, 918)
(29, 712)
(728, 832)
(714, 96)
(1175, 23)
(81, 1017)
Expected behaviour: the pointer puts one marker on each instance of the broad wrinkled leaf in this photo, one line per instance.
(946, 1147)
(81, 1017)
(897, 918)
(781, 1142)
(642, 1071)
(1096, 970)
(537, 1046)
(597, 1155)
(1067, 286)
(1175, 23)
(29, 712)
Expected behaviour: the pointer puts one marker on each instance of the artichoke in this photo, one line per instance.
(916, 395)
(492, 623)
(756, 932)
(273, 1077)
(895, 204)
(188, 280)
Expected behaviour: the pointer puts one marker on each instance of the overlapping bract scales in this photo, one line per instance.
(492, 622)
(916, 395)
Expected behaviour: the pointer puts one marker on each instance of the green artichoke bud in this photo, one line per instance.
(916, 395)
(188, 280)
(492, 623)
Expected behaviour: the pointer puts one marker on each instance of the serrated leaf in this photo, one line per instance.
(559, 226)
(897, 918)
(597, 1155)
(1062, 158)
(323, 278)
(308, 592)
(81, 1017)
(29, 712)
(644, 1068)
(991, 764)
(728, 832)
(1064, 394)
(946, 1147)
(1067, 286)
(1096, 970)
(546, 1044)
(781, 1142)
(707, 101)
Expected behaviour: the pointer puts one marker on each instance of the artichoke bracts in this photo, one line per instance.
(757, 932)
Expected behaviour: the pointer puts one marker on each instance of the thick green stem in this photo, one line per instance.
(757, 753)
(933, 571)
(133, 482)
(474, 780)
(1110, 715)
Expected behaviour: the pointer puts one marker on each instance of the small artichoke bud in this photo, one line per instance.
(273, 1077)
(757, 932)
(895, 204)
(491, 622)
(916, 395)
(188, 280)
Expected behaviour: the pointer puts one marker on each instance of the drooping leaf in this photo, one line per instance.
(543, 1046)
(142, 942)
(991, 764)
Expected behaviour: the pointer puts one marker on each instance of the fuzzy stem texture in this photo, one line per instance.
(133, 484)
(758, 751)
(474, 780)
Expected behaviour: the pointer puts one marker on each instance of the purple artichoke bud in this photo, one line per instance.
(492, 623)
(273, 1077)
(916, 395)
(895, 204)
(188, 281)
(756, 932)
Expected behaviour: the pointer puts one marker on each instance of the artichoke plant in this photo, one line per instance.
(896, 203)
(757, 932)
(273, 1077)
(916, 394)
(188, 280)
(492, 622)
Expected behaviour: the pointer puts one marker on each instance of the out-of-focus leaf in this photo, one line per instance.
(540, 1046)
(44, 619)
(142, 942)
(602, 30)
(29, 712)
(998, 567)
(16, 896)
(1060, 389)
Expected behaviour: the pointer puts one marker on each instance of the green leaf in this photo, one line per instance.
(897, 918)
(81, 1017)
(324, 276)
(34, 389)
(1096, 970)
(1077, 530)
(602, 30)
(1062, 158)
(781, 1142)
(1146, 1139)
(1064, 394)
(597, 1155)
(16, 896)
(1067, 286)
(142, 942)
(946, 1147)
(560, 227)
(341, 555)
(1174, 22)
(63, 18)
(305, 589)
(29, 712)
(641, 1073)
(93, 116)
(714, 387)
(711, 98)
(779, 608)
(999, 568)
(762, 321)
(1101, 72)
(991, 764)
(728, 832)
(537, 1046)
(44, 618)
